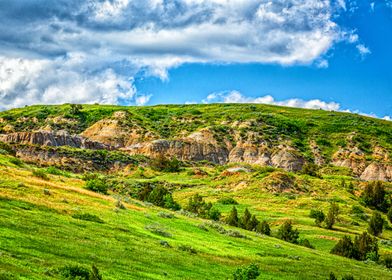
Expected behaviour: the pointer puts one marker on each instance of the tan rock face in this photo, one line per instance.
(288, 159)
(250, 153)
(115, 133)
(352, 158)
(45, 138)
(377, 172)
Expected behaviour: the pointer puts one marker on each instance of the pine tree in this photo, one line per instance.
(376, 224)
(263, 228)
(254, 222)
(245, 220)
(232, 219)
(287, 233)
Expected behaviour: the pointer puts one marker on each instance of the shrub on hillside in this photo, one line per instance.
(318, 216)
(16, 161)
(232, 218)
(197, 205)
(246, 272)
(375, 196)
(166, 164)
(376, 224)
(310, 169)
(227, 201)
(389, 214)
(332, 215)
(74, 272)
(158, 229)
(363, 247)
(97, 185)
(263, 228)
(77, 272)
(88, 217)
(305, 243)
(287, 233)
(40, 174)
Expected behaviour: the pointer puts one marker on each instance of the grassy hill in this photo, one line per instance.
(52, 222)
(42, 230)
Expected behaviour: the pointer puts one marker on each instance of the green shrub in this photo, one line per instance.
(389, 214)
(376, 224)
(97, 185)
(348, 277)
(158, 229)
(332, 276)
(40, 174)
(306, 243)
(317, 215)
(76, 272)
(197, 205)
(165, 164)
(246, 273)
(332, 215)
(187, 248)
(363, 247)
(375, 196)
(94, 274)
(88, 217)
(7, 276)
(387, 261)
(287, 233)
(263, 228)
(232, 218)
(16, 161)
(227, 201)
(310, 169)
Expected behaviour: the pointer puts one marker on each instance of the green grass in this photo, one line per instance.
(39, 233)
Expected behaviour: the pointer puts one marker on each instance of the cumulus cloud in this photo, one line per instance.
(237, 97)
(363, 50)
(98, 46)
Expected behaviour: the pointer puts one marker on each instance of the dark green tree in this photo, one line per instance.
(232, 218)
(318, 216)
(263, 228)
(254, 222)
(287, 233)
(389, 214)
(94, 274)
(376, 224)
(375, 196)
(245, 220)
(332, 215)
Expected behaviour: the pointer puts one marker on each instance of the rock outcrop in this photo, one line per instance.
(377, 172)
(47, 138)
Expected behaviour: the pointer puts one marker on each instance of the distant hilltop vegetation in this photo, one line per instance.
(81, 137)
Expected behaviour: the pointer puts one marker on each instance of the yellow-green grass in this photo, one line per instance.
(38, 234)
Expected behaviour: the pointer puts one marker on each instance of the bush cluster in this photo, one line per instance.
(329, 219)
(247, 272)
(158, 196)
(363, 247)
(197, 205)
(77, 272)
(98, 185)
(375, 196)
(247, 221)
(165, 164)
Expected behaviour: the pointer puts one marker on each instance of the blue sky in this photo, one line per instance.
(334, 55)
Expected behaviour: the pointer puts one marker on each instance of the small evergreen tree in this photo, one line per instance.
(364, 246)
(254, 222)
(332, 215)
(332, 276)
(318, 216)
(246, 273)
(232, 218)
(287, 233)
(375, 196)
(214, 214)
(245, 220)
(94, 274)
(344, 247)
(376, 224)
(263, 228)
(389, 214)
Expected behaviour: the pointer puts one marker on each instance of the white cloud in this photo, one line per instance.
(89, 51)
(24, 82)
(237, 97)
(363, 50)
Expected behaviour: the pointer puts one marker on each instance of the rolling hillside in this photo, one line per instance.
(136, 191)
